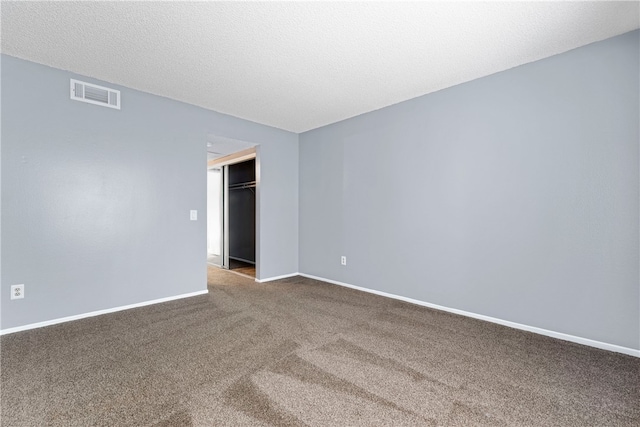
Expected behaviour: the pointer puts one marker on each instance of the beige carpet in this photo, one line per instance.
(301, 352)
(242, 267)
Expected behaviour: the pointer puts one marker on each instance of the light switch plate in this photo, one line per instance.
(193, 215)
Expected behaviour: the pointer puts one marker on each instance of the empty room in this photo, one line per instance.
(319, 213)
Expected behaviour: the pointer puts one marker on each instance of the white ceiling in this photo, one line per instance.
(298, 66)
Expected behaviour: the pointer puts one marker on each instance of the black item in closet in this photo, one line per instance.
(243, 172)
(242, 211)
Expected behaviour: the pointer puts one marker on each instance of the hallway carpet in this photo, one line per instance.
(242, 267)
(301, 352)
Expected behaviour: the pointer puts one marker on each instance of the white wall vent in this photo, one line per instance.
(94, 94)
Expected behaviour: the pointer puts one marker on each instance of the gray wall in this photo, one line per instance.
(95, 201)
(513, 196)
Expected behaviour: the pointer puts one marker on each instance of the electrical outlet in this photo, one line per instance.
(193, 215)
(17, 291)
(343, 260)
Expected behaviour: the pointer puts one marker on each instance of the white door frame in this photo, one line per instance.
(223, 163)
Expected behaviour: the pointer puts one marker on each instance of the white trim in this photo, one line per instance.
(284, 276)
(231, 159)
(553, 334)
(98, 313)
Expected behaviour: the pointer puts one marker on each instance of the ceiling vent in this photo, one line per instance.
(94, 94)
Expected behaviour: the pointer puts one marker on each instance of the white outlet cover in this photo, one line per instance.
(343, 260)
(17, 291)
(193, 215)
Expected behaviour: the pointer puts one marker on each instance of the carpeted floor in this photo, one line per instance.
(242, 267)
(301, 352)
(234, 265)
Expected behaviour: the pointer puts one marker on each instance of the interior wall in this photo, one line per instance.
(513, 196)
(96, 201)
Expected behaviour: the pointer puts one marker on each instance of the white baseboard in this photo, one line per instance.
(97, 313)
(553, 334)
(284, 276)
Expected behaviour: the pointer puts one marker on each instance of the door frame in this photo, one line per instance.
(223, 163)
(222, 221)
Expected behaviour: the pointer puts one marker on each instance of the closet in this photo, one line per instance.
(241, 190)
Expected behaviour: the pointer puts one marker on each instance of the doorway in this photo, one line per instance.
(232, 184)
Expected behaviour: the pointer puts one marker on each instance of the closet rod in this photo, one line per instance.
(242, 186)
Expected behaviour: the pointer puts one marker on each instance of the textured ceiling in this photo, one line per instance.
(298, 66)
